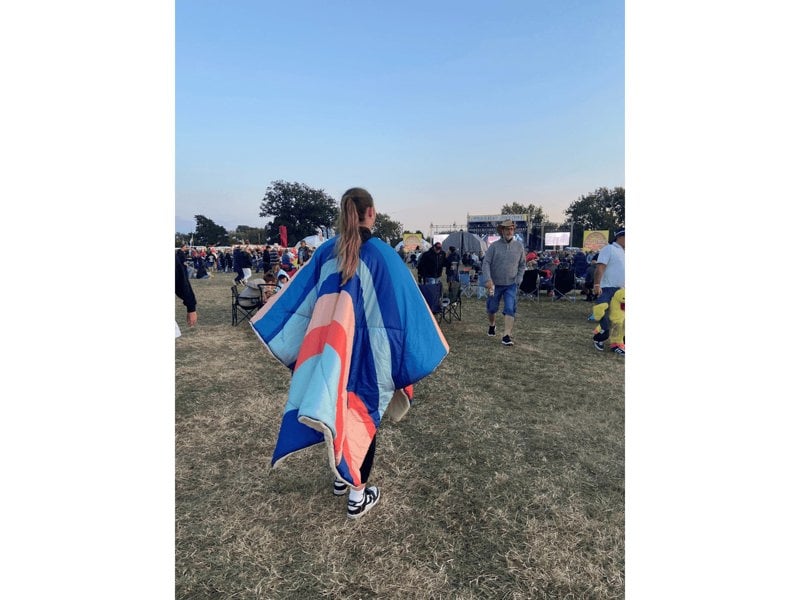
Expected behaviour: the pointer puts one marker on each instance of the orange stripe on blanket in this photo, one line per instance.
(357, 436)
(332, 323)
(332, 335)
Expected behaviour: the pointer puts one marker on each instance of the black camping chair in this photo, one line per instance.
(529, 288)
(244, 304)
(563, 284)
(432, 292)
(451, 304)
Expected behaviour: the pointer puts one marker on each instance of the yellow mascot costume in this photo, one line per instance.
(616, 314)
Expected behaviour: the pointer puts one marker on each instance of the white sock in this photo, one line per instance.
(356, 496)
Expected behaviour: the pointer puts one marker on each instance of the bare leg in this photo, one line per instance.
(508, 324)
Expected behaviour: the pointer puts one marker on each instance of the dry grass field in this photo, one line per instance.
(505, 479)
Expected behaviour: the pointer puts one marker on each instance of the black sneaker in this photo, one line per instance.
(356, 510)
(491, 330)
(618, 349)
(339, 488)
(507, 340)
(599, 346)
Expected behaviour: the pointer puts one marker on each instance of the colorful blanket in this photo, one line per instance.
(355, 351)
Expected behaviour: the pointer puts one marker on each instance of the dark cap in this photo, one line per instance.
(619, 233)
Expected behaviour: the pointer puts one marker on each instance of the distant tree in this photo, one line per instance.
(388, 230)
(536, 212)
(208, 233)
(247, 234)
(300, 208)
(182, 238)
(602, 209)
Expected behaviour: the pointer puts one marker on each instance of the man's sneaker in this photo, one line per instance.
(507, 340)
(618, 349)
(599, 346)
(491, 330)
(356, 510)
(339, 488)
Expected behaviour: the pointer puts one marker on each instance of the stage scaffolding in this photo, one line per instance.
(533, 232)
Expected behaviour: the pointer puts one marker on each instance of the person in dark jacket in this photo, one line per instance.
(246, 262)
(451, 261)
(183, 258)
(199, 266)
(267, 266)
(183, 290)
(228, 261)
(237, 265)
(431, 264)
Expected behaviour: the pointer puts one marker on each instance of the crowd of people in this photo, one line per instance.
(279, 264)
(500, 270)
(282, 262)
(243, 260)
(344, 317)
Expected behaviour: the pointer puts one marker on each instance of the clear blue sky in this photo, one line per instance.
(439, 109)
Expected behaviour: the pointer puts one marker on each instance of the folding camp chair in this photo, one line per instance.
(563, 284)
(246, 302)
(546, 281)
(451, 304)
(432, 292)
(529, 288)
(467, 289)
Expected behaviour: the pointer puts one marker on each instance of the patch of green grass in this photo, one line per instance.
(505, 479)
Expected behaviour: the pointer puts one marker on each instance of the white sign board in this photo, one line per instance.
(556, 238)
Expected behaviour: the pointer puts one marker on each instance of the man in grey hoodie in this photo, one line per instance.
(503, 266)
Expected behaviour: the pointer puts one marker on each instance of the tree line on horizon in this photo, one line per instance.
(304, 211)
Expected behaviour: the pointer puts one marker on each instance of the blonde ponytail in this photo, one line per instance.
(355, 202)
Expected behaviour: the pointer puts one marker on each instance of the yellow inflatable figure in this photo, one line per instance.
(616, 314)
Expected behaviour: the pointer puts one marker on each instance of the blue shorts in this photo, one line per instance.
(509, 295)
